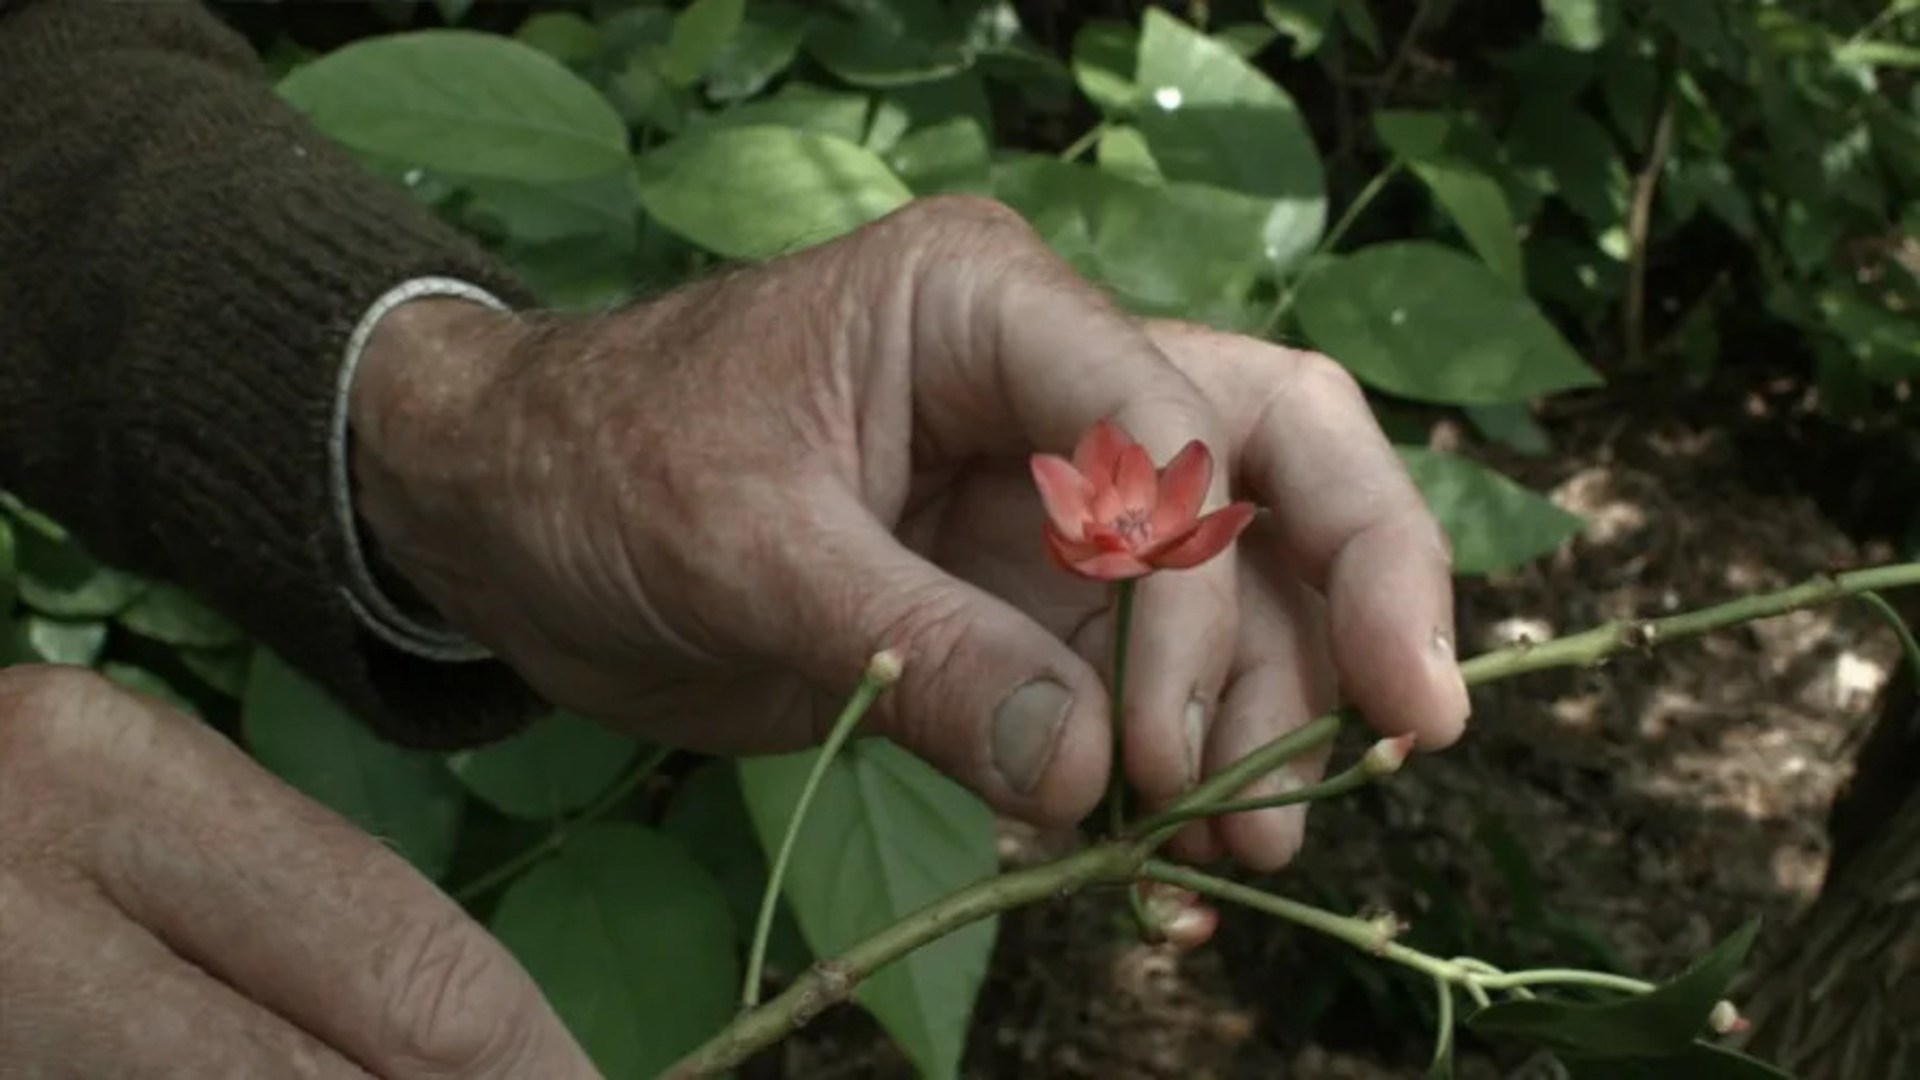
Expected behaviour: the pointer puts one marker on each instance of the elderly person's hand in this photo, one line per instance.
(168, 908)
(698, 517)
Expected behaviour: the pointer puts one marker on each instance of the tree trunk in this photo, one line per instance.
(1841, 999)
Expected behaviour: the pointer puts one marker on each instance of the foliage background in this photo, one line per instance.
(1473, 206)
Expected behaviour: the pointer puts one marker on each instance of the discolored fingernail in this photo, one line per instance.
(1196, 721)
(1445, 661)
(1026, 728)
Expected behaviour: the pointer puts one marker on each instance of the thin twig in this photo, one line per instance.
(1633, 312)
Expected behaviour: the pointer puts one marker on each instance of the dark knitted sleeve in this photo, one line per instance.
(182, 260)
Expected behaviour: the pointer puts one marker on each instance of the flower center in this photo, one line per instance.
(1134, 526)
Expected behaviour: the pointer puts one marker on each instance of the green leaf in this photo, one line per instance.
(886, 835)
(1123, 150)
(1472, 198)
(700, 32)
(1211, 117)
(1570, 154)
(224, 670)
(630, 940)
(1656, 1024)
(557, 765)
(57, 578)
(708, 815)
(950, 156)
(1166, 249)
(801, 107)
(170, 614)
(1104, 58)
(889, 42)
(464, 104)
(1357, 17)
(1699, 1061)
(577, 273)
(604, 206)
(765, 45)
(1305, 21)
(1580, 25)
(1494, 523)
(1426, 322)
(804, 189)
(563, 35)
(142, 680)
(61, 641)
(406, 798)
(9, 570)
(1512, 426)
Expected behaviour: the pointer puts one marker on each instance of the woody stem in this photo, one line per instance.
(1122, 632)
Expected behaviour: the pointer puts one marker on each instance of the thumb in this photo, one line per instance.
(987, 695)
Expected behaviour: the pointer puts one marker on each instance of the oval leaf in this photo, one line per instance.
(170, 614)
(557, 765)
(889, 42)
(699, 33)
(805, 188)
(57, 578)
(1426, 322)
(404, 797)
(1494, 523)
(886, 834)
(461, 103)
(1210, 116)
(1474, 200)
(60, 641)
(630, 940)
(1656, 1024)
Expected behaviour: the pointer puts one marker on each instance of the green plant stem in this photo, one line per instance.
(1117, 771)
(1163, 825)
(1513, 980)
(1085, 142)
(1119, 861)
(516, 864)
(1443, 1027)
(864, 695)
(830, 982)
(1284, 302)
(1899, 625)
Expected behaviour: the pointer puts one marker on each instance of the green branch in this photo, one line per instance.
(1120, 861)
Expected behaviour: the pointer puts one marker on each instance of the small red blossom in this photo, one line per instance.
(1112, 517)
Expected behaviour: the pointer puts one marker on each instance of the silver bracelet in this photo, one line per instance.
(370, 604)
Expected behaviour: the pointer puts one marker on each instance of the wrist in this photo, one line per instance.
(412, 464)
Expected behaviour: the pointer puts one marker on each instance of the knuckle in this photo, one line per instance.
(458, 1006)
(59, 720)
(1319, 377)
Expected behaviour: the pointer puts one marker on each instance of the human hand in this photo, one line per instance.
(168, 908)
(698, 517)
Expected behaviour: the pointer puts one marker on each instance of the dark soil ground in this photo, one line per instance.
(1627, 816)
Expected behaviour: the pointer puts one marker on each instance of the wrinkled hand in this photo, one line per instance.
(698, 517)
(167, 908)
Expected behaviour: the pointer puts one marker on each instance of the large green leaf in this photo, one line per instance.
(803, 189)
(889, 42)
(1494, 523)
(1662, 1022)
(630, 940)
(404, 797)
(1472, 198)
(950, 156)
(1699, 1061)
(557, 765)
(1105, 54)
(765, 45)
(170, 614)
(700, 32)
(56, 577)
(1427, 322)
(464, 104)
(1210, 116)
(1167, 249)
(605, 206)
(885, 835)
(1570, 154)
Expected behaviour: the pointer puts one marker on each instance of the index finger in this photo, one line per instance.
(1351, 522)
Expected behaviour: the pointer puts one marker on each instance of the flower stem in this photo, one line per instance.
(1899, 626)
(1117, 776)
(1443, 1027)
(877, 678)
(1514, 980)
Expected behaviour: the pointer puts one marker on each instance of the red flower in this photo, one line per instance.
(1111, 517)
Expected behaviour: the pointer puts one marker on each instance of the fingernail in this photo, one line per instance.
(1026, 727)
(1446, 662)
(1196, 738)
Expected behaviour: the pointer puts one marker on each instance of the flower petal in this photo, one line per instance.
(1088, 561)
(1098, 455)
(1135, 481)
(1212, 535)
(1067, 495)
(1183, 489)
